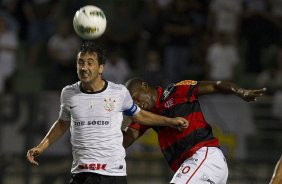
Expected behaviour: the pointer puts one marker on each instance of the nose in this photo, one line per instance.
(83, 67)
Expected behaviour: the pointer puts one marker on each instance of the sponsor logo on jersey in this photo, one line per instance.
(109, 104)
(71, 107)
(96, 166)
(98, 121)
(167, 91)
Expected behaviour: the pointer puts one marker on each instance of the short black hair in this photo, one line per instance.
(133, 84)
(92, 47)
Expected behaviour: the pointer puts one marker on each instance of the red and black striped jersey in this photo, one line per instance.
(180, 100)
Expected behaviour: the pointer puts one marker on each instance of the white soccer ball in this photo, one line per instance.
(89, 22)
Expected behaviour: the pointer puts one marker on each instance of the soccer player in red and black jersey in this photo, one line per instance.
(194, 154)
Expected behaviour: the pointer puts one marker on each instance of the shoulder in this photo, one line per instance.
(71, 89)
(114, 86)
(187, 86)
(187, 82)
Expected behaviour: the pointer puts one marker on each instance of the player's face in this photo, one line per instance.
(143, 99)
(88, 68)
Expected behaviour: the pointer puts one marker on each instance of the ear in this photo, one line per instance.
(101, 69)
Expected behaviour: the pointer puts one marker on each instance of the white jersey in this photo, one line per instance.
(96, 120)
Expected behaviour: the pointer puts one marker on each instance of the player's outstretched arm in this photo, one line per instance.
(151, 119)
(55, 132)
(277, 174)
(225, 87)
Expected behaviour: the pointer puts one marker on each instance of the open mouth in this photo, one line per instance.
(83, 75)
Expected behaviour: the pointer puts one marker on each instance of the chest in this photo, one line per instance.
(176, 100)
(104, 106)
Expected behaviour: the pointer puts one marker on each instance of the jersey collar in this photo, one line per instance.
(103, 89)
(160, 92)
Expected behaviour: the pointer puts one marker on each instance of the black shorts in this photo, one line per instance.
(94, 178)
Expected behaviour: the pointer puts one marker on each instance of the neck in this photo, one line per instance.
(94, 86)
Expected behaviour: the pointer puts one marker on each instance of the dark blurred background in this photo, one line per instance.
(162, 41)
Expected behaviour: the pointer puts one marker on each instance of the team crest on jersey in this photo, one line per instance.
(169, 103)
(109, 104)
(187, 82)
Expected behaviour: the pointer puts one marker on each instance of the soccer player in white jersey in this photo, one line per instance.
(92, 109)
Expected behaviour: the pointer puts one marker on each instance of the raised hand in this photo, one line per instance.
(251, 94)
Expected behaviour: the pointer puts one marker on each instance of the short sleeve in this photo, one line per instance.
(129, 107)
(64, 107)
(189, 89)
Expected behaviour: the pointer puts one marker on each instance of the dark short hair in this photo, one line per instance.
(133, 84)
(92, 47)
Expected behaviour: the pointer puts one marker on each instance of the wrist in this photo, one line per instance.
(42, 146)
(239, 92)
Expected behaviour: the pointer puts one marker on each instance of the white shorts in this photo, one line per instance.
(206, 166)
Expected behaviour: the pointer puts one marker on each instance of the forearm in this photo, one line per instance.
(129, 136)
(224, 87)
(55, 132)
(148, 118)
(228, 88)
(246, 94)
